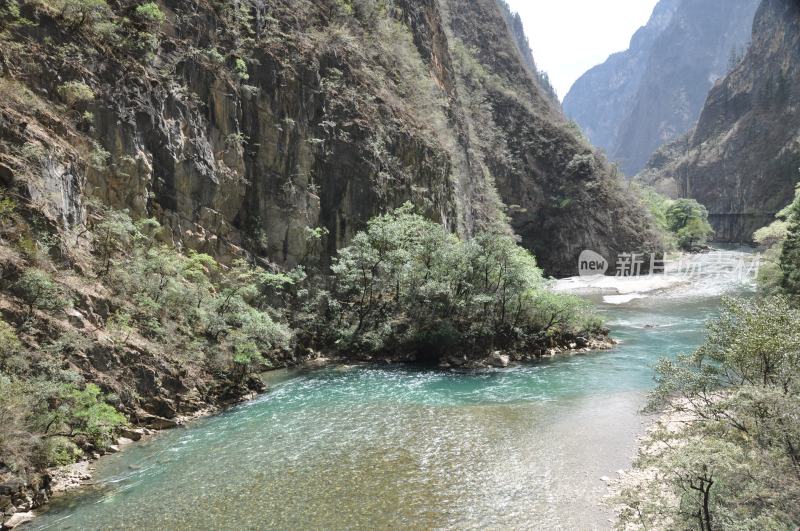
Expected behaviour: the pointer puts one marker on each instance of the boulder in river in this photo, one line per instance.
(133, 434)
(17, 520)
(499, 359)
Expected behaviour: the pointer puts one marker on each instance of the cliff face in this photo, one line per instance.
(653, 93)
(242, 124)
(742, 159)
(561, 196)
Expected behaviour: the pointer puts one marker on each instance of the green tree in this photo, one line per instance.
(790, 253)
(405, 285)
(38, 289)
(75, 92)
(80, 14)
(113, 235)
(150, 14)
(776, 269)
(688, 220)
(77, 412)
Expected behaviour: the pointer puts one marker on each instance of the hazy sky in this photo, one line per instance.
(570, 36)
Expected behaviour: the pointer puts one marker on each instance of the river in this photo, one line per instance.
(378, 448)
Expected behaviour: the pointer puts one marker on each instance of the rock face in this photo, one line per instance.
(240, 129)
(742, 159)
(561, 196)
(601, 99)
(653, 92)
(514, 22)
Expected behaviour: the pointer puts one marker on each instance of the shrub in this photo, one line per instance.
(150, 14)
(75, 92)
(80, 14)
(98, 158)
(38, 290)
(240, 68)
(80, 413)
(345, 7)
(214, 55)
(33, 152)
(57, 451)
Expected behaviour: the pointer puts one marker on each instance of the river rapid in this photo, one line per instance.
(378, 448)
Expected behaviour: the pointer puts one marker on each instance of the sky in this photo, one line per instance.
(568, 37)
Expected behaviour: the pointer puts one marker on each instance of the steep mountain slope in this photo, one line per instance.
(657, 88)
(742, 159)
(601, 99)
(514, 22)
(240, 125)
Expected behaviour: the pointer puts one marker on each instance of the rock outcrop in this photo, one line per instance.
(652, 93)
(742, 159)
(240, 129)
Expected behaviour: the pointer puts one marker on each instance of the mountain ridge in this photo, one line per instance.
(653, 92)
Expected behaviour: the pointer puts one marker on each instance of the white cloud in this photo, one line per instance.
(568, 37)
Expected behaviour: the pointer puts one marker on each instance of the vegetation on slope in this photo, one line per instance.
(730, 458)
(780, 241)
(87, 322)
(728, 454)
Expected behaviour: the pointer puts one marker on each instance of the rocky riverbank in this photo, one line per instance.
(628, 518)
(20, 500)
(548, 348)
(24, 499)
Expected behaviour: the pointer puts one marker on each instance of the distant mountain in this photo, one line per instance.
(652, 93)
(742, 159)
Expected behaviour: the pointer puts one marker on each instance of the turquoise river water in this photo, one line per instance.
(389, 448)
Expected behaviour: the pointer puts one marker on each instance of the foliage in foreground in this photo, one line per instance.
(732, 461)
(405, 285)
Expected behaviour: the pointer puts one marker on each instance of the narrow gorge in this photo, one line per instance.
(351, 264)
